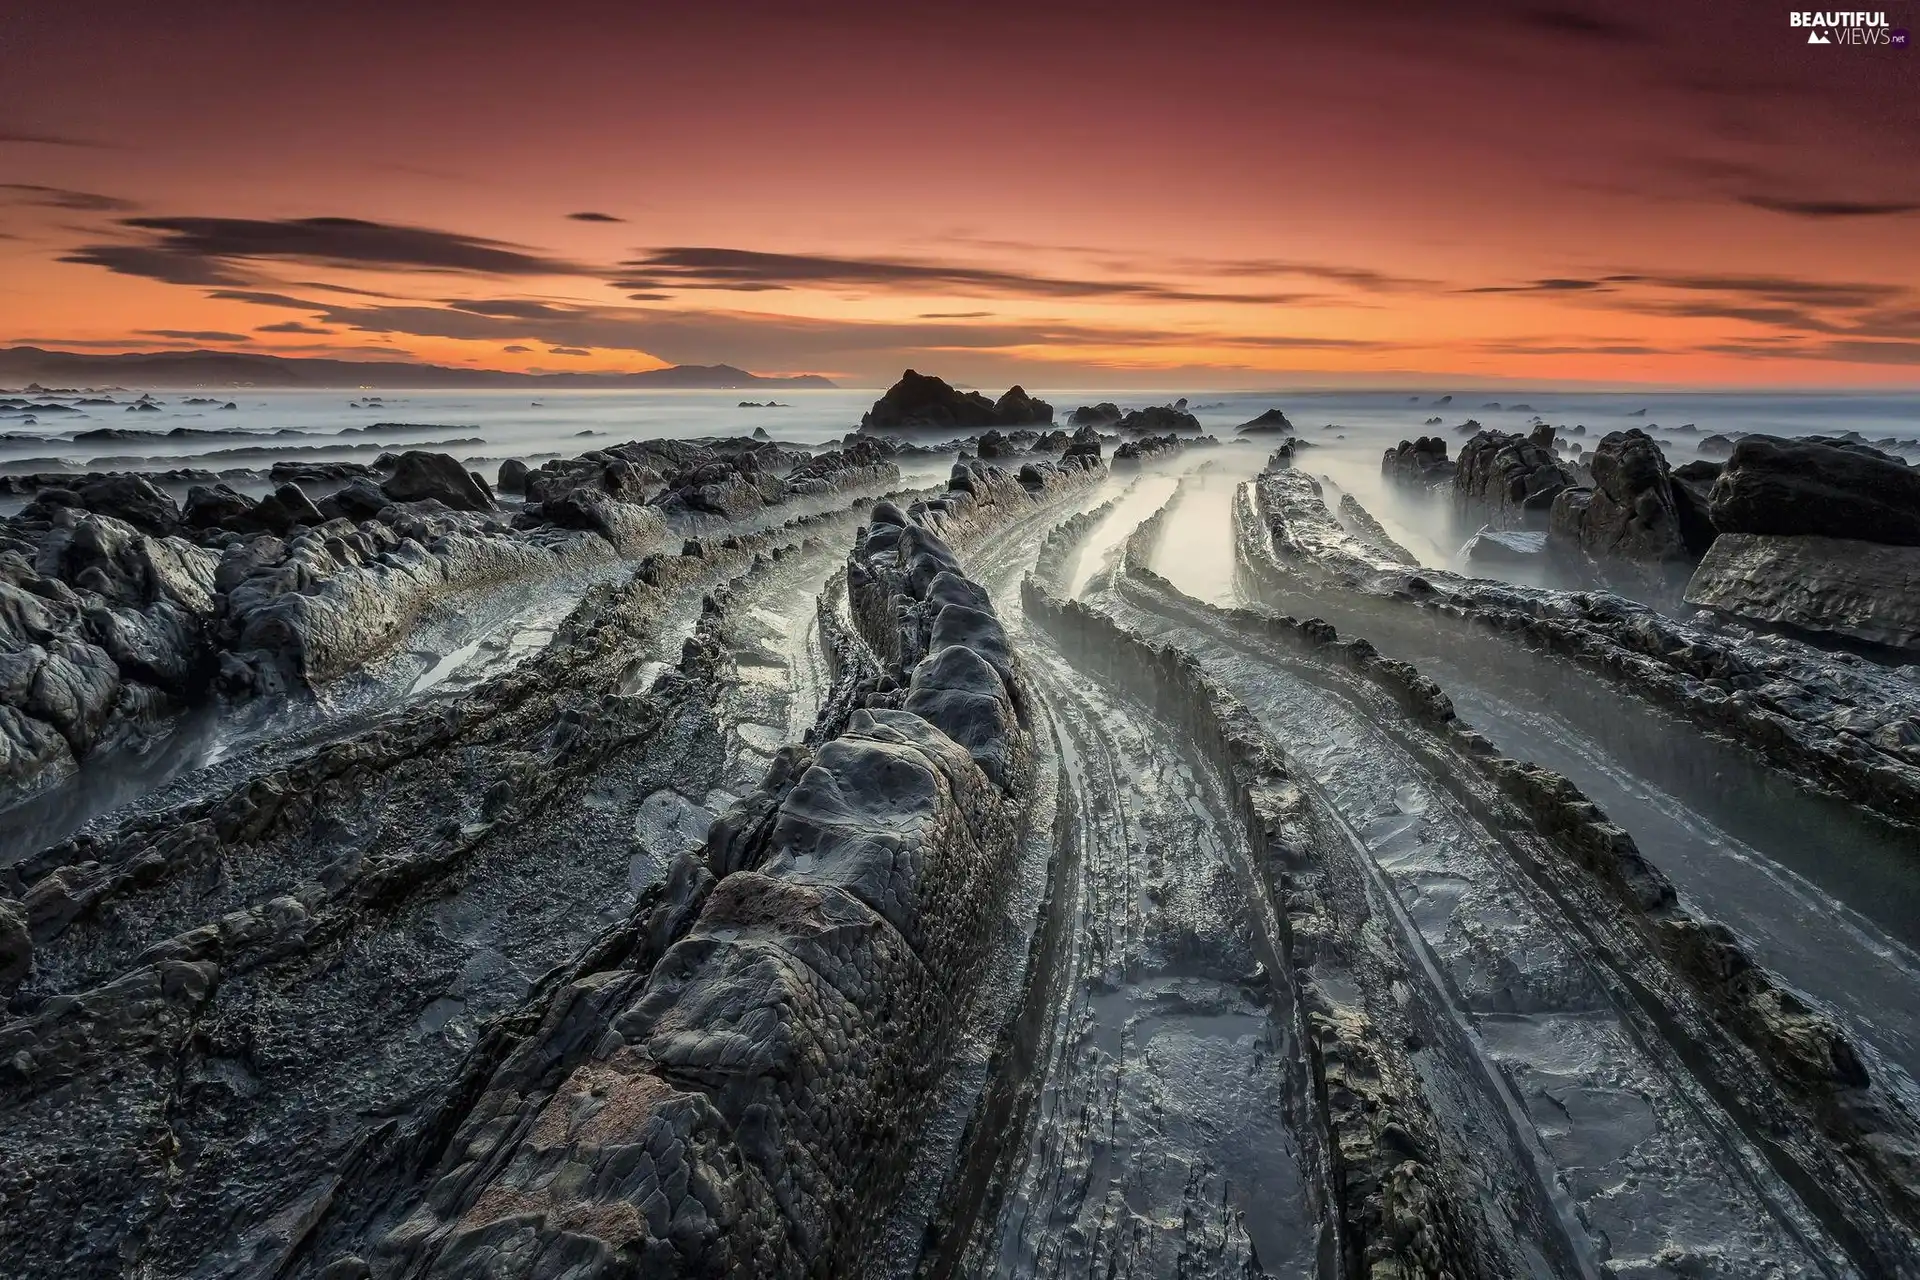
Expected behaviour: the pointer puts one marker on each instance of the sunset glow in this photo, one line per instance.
(1633, 194)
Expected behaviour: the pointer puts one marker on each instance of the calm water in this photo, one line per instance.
(1347, 431)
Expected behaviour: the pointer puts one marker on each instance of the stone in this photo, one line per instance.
(134, 499)
(922, 401)
(1423, 462)
(513, 476)
(1817, 488)
(1270, 422)
(1104, 414)
(1838, 586)
(418, 475)
(1632, 512)
(1510, 480)
(1158, 419)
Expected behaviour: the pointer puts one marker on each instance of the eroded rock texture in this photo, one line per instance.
(1636, 510)
(1509, 480)
(750, 1108)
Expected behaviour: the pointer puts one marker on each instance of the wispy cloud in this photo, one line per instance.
(62, 198)
(213, 251)
(294, 326)
(594, 217)
(689, 267)
(195, 335)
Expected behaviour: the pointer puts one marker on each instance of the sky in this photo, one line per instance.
(1066, 194)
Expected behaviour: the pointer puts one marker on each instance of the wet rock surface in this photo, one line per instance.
(1510, 481)
(1815, 488)
(921, 887)
(1636, 510)
(1865, 591)
(1421, 462)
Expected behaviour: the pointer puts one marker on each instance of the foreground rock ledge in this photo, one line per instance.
(751, 1107)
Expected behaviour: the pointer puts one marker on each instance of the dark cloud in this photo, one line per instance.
(568, 351)
(261, 299)
(1552, 284)
(207, 250)
(748, 271)
(62, 198)
(594, 217)
(195, 335)
(517, 349)
(1833, 208)
(1582, 25)
(955, 315)
(293, 326)
(52, 140)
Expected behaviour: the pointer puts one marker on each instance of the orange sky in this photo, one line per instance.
(1114, 194)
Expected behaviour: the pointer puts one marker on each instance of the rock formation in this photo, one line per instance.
(923, 402)
(1509, 480)
(1421, 462)
(1636, 510)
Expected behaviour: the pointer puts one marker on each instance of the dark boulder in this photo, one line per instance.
(134, 499)
(922, 401)
(286, 507)
(995, 445)
(1018, 409)
(1084, 445)
(1159, 420)
(1104, 414)
(1272, 421)
(1817, 488)
(1633, 511)
(1509, 479)
(513, 476)
(1423, 462)
(418, 476)
(358, 500)
(219, 507)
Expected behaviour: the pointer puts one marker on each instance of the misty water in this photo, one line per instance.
(1828, 895)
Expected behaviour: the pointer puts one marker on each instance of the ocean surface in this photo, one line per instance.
(1347, 430)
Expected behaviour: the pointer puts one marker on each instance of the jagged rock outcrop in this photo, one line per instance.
(102, 635)
(1146, 448)
(1824, 531)
(1636, 511)
(1083, 447)
(1820, 488)
(1509, 480)
(1271, 422)
(752, 1108)
(1422, 462)
(1156, 420)
(921, 401)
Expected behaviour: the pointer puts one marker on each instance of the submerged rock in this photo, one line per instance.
(1838, 586)
(1506, 547)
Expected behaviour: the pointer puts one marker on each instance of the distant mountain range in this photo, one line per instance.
(21, 365)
